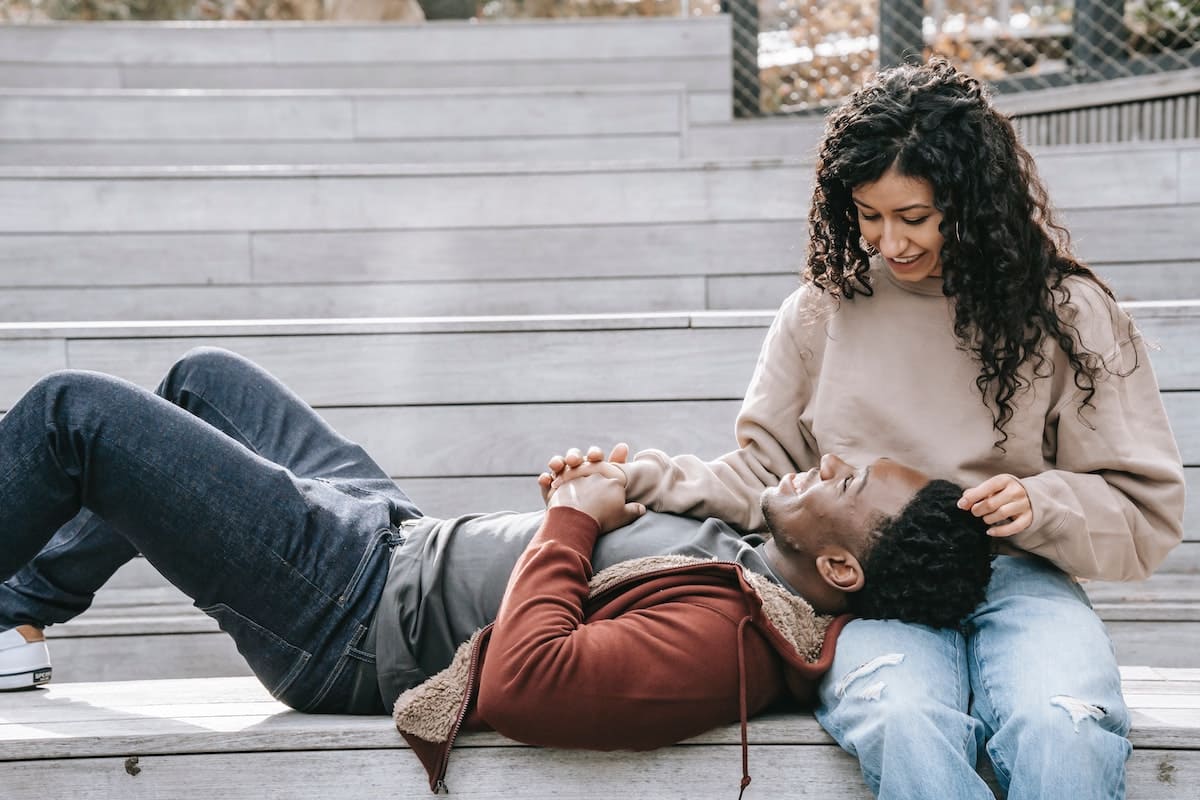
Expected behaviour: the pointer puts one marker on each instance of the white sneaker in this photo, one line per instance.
(24, 658)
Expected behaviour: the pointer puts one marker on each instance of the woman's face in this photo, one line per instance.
(897, 217)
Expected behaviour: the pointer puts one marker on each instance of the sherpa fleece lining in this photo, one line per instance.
(429, 710)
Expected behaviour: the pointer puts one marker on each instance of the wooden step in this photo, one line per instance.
(445, 54)
(683, 376)
(474, 376)
(140, 627)
(111, 244)
(199, 738)
(195, 127)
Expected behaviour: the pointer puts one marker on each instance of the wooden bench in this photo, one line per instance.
(225, 737)
(386, 240)
(457, 408)
(173, 127)
(452, 54)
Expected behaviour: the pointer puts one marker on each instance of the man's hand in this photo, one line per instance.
(1000, 499)
(600, 497)
(560, 469)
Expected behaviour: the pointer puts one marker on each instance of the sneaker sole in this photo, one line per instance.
(25, 680)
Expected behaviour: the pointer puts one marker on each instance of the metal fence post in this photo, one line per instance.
(901, 34)
(747, 87)
(1100, 36)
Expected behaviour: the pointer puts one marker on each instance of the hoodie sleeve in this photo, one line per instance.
(1112, 508)
(771, 436)
(660, 670)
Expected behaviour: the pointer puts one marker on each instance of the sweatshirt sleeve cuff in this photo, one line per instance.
(1048, 518)
(571, 527)
(640, 479)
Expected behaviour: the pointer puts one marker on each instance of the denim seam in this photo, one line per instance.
(242, 439)
(997, 761)
(338, 668)
(964, 702)
(293, 672)
(381, 536)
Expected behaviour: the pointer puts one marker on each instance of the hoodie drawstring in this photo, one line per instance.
(741, 653)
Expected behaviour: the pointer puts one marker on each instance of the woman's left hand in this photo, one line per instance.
(1000, 499)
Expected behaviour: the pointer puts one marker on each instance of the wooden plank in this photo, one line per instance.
(414, 442)
(1095, 179)
(796, 137)
(153, 116)
(375, 151)
(248, 43)
(683, 772)
(385, 256)
(53, 76)
(27, 360)
(728, 292)
(314, 301)
(1100, 93)
(1163, 280)
(145, 656)
(1189, 165)
(541, 112)
(236, 200)
(630, 249)
(469, 368)
(703, 74)
(1183, 409)
(123, 260)
(1164, 644)
(1132, 233)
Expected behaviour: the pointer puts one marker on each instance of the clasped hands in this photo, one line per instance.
(1001, 500)
(591, 485)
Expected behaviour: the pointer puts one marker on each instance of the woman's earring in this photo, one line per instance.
(958, 229)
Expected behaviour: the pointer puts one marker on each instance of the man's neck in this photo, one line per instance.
(801, 574)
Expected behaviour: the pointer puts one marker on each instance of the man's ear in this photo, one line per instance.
(840, 569)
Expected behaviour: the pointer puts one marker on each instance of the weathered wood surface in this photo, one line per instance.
(693, 52)
(433, 43)
(173, 127)
(682, 379)
(398, 384)
(187, 738)
(210, 243)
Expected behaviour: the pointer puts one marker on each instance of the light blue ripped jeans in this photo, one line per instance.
(1033, 677)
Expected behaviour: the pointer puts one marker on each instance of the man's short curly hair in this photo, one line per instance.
(929, 564)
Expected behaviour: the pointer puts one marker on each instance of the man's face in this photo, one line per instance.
(837, 503)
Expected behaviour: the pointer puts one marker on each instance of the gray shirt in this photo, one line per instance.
(447, 580)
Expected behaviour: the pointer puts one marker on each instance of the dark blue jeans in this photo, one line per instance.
(230, 485)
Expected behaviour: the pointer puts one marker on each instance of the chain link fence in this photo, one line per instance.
(810, 53)
(797, 56)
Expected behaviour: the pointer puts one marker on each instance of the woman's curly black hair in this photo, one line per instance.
(1004, 257)
(929, 564)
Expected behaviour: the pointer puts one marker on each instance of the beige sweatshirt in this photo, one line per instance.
(884, 376)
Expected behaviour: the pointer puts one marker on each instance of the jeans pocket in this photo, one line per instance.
(274, 661)
(379, 548)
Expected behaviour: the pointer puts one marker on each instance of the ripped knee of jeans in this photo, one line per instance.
(871, 691)
(1078, 709)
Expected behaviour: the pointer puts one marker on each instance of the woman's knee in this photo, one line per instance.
(889, 679)
(1063, 721)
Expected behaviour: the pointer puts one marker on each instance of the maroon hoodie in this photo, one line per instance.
(645, 654)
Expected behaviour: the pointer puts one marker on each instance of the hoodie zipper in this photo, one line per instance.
(440, 783)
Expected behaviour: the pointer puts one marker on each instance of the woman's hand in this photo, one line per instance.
(599, 496)
(560, 469)
(1000, 499)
